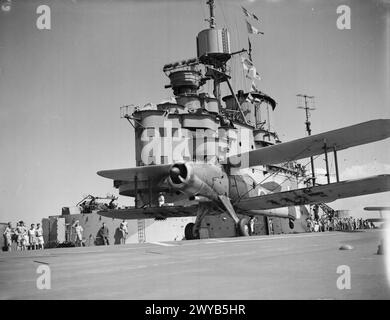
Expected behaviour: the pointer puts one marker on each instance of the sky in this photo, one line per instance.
(61, 89)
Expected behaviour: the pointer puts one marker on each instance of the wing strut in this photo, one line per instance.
(326, 150)
(336, 164)
(326, 162)
(228, 205)
(136, 191)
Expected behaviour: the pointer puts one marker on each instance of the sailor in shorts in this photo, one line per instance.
(124, 230)
(79, 233)
(39, 236)
(32, 238)
(21, 232)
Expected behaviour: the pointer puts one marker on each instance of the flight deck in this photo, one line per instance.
(293, 266)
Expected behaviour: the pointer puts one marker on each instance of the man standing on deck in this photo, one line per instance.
(103, 233)
(123, 229)
(32, 238)
(21, 232)
(7, 234)
(270, 226)
(79, 234)
(161, 200)
(252, 221)
(39, 236)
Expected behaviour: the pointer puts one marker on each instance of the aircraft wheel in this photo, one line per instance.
(243, 228)
(189, 231)
(291, 224)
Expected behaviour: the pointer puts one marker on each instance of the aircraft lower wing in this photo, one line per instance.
(311, 195)
(152, 172)
(339, 139)
(151, 212)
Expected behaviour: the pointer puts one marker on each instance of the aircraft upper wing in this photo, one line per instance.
(376, 219)
(151, 212)
(343, 138)
(153, 172)
(377, 208)
(311, 195)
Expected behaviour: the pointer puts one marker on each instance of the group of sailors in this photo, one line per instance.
(25, 238)
(103, 233)
(32, 238)
(338, 224)
(351, 224)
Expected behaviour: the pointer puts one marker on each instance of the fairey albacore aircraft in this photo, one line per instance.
(214, 189)
(213, 177)
(380, 210)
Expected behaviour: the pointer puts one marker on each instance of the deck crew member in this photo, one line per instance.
(103, 233)
(16, 235)
(32, 237)
(21, 232)
(7, 234)
(124, 230)
(161, 200)
(315, 212)
(252, 221)
(79, 233)
(39, 236)
(270, 226)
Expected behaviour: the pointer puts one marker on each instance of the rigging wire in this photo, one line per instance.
(271, 175)
(225, 20)
(239, 199)
(228, 24)
(238, 59)
(201, 2)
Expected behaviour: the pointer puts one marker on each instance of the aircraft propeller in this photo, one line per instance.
(178, 173)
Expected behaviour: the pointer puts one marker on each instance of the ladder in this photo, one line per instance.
(326, 209)
(141, 231)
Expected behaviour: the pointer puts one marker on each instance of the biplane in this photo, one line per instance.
(210, 188)
(380, 210)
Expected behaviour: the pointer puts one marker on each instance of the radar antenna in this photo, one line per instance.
(307, 103)
(306, 100)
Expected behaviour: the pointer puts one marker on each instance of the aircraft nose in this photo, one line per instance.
(175, 172)
(178, 173)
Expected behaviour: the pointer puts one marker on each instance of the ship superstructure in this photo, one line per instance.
(197, 127)
(206, 127)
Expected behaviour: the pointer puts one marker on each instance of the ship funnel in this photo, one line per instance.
(185, 81)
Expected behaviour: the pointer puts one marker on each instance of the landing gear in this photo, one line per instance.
(203, 210)
(291, 224)
(189, 231)
(192, 230)
(243, 229)
(241, 224)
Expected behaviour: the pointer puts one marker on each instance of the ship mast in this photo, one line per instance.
(212, 17)
(217, 86)
(307, 109)
(214, 50)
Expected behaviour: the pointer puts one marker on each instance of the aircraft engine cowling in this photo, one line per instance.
(198, 179)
